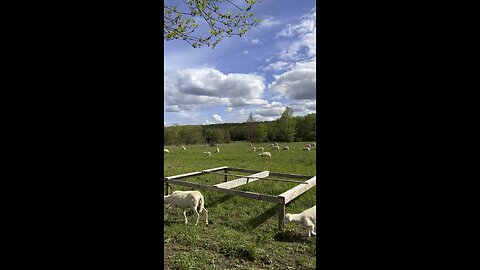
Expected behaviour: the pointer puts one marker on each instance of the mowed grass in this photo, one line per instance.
(242, 233)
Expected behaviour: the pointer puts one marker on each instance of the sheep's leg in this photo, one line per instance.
(198, 215)
(311, 227)
(185, 215)
(206, 215)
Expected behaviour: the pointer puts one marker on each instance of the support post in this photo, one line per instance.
(281, 215)
(226, 177)
(168, 189)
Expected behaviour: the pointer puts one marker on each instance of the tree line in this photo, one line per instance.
(287, 128)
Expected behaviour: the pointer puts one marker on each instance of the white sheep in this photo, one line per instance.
(286, 148)
(265, 154)
(276, 147)
(207, 153)
(187, 200)
(165, 150)
(218, 150)
(260, 149)
(183, 147)
(254, 149)
(250, 144)
(307, 218)
(305, 148)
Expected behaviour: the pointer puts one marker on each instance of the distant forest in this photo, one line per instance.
(287, 128)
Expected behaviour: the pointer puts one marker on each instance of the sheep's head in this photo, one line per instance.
(166, 199)
(288, 218)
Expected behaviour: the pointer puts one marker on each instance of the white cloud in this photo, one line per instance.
(271, 110)
(279, 65)
(268, 21)
(299, 83)
(229, 109)
(305, 32)
(256, 41)
(217, 118)
(190, 89)
(245, 52)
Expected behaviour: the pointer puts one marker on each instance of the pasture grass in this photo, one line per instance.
(242, 233)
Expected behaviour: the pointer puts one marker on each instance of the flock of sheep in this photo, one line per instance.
(274, 146)
(194, 200)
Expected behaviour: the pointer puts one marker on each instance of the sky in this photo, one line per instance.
(269, 68)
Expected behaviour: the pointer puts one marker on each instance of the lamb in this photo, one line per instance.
(187, 200)
(286, 148)
(276, 147)
(165, 150)
(207, 153)
(218, 150)
(260, 149)
(307, 218)
(306, 148)
(265, 154)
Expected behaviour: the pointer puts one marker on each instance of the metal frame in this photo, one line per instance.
(226, 187)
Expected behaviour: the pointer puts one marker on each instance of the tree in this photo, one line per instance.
(286, 126)
(251, 128)
(180, 22)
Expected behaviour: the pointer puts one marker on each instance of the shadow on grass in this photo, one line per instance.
(219, 201)
(291, 236)
(260, 219)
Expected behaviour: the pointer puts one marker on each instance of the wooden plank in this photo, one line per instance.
(295, 176)
(243, 170)
(298, 190)
(240, 193)
(243, 180)
(185, 175)
(216, 169)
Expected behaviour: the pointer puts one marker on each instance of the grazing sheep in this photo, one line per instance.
(276, 147)
(286, 148)
(218, 150)
(187, 200)
(306, 148)
(314, 144)
(265, 154)
(183, 147)
(260, 149)
(207, 153)
(165, 150)
(307, 218)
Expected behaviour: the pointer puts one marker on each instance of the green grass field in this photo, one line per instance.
(242, 233)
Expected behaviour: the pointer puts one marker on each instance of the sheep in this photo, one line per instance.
(165, 150)
(218, 150)
(265, 154)
(207, 153)
(307, 218)
(260, 149)
(254, 149)
(306, 148)
(276, 147)
(250, 144)
(286, 148)
(183, 147)
(187, 200)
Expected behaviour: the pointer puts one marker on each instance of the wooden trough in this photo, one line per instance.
(281, 200)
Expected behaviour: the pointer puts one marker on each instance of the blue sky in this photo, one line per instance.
(269, 68)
